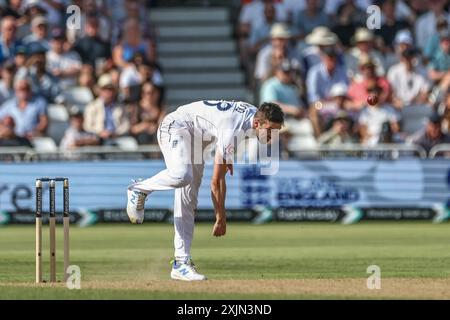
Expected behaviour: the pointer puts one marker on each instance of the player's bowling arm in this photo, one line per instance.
(218, 189)
(218, 193)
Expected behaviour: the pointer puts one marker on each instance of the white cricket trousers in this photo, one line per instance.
(182, 175)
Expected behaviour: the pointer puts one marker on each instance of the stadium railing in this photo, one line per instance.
(25, 154)
(382, 151)
(440, 150)
(16, 154)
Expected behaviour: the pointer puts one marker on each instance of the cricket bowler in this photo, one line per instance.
(223, 121)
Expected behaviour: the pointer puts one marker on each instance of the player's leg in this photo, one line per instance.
(185, 204)
(175, 146)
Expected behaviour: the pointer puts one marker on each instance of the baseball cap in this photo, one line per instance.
(404, 36)
(58, 34)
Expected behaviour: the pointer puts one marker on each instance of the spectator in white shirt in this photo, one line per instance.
(409, 85)
(377, 123)
(75, 136)
(134, 74)
(130, 79)
(62, 64)
(403, 40)
(279, 49)
(364, 45)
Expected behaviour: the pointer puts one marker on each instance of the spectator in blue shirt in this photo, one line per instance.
(439, 67)
(432, 46)
(313, 16)
(281, 89)
(319, 39)
(42, 82)
(260, 35)
(7, 81)
(28, 111)
(8, 41)
(322, 77)
(39, 30)
(319, 81)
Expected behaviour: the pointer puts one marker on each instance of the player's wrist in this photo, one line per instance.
(221, 218)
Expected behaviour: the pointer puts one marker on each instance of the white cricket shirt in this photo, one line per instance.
(222, 119)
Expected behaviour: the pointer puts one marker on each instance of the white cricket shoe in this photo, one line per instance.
(135, 205)
(185, 270)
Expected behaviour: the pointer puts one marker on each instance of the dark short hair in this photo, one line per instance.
(271, 112)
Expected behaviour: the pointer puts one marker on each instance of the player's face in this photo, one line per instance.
(264, 130)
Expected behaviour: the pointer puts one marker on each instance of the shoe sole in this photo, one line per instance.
(175, 276)
(133, 220)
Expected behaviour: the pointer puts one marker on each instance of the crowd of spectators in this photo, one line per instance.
(319, 60)
(316, 58)
(111, 56)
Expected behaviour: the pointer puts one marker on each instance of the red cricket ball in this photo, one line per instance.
(372, 99)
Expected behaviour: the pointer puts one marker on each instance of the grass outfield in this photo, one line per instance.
(272, 261)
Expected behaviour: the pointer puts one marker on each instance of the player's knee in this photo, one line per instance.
(183, 179)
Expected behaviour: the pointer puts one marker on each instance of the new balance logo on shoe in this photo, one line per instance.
(184, 271)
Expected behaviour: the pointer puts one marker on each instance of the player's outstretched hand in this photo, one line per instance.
(230, 168)
(220, 228)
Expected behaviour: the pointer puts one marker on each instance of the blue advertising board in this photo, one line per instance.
(301, 190)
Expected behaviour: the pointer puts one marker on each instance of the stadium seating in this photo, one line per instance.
(198, 54)
(44, 144)
(78, 96)
(414, 117)
(58, 121)
(126, 143)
